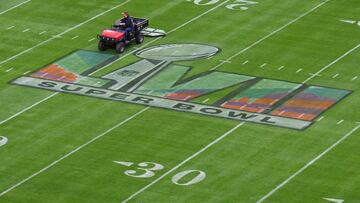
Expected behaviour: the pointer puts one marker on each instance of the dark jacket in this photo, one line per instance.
(128, 21)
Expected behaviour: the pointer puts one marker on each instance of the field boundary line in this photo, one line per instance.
(309, 164)
(231, 130)
(271, 34)
(12, 8)
(64, 32)
(184, 162)
(74, 151)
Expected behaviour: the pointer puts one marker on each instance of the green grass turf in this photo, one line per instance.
(243, 167)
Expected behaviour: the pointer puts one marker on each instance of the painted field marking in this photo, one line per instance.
(349, 21)
(12, 8)
(309, 164)
(74, 151)
(8, 70)
(319, 119)
(225, 61)
(334, 200)
(26, 30)
(56, 36)
(340, 121)
(281, 67)
(263, 65)
(299, 70)
(27, 72)
(275, 31)
(316, 75)
(206, 100)
(92, 39)
(64, 32)
(184, 162)
(75, 37)
(354, 78)
(335, 76)
(43, 32)
(11, 27)
(245, 62)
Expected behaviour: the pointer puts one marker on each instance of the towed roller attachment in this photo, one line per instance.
(152, 32)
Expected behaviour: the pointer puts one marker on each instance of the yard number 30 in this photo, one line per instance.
(148, 170)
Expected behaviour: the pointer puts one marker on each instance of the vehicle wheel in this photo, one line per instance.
(120, 47)
(101, 46)
(139, 38)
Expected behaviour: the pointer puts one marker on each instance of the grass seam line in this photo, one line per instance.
(308, 164)
(183, 162)
(73, 151)
(12, 8)
(62, 33)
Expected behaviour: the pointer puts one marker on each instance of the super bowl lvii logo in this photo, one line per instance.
(157, 80)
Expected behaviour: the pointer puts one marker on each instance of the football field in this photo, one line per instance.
(244, 101)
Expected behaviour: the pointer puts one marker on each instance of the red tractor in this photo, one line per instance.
(115, 37)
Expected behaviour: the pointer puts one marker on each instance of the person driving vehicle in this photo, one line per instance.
(127, 23)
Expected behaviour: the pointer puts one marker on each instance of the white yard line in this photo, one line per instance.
(75, 37)
(340, 121)
(245, 62)
(92, 39)
(64, 32)
(299, 70)
(11, 27)
(263, 65)
(26, 30)
(8, 70)
(319, 119)
(335, 76)
(184, 162)
(273, 33)
(308, 164)
(27, 72)
(206, 100)
(12, 8)
(281, 67)
(73, 151)
(43, 32)
(354, 78)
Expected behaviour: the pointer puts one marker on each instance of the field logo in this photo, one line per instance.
(156, 80)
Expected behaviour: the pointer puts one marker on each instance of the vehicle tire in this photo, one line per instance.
(120, 47)
(139, 38)
(101, 46)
